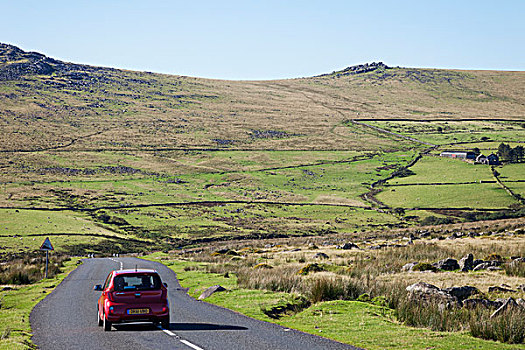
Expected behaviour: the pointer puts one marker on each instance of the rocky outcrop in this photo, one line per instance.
(209, 291)
(359, 69)
(509, 305)
(447, 264)
(462, 293)
(425, 292)
(321, 255)
(409, 266)
(348, 245)
(466, 263)
(497, 289)
(479, 302)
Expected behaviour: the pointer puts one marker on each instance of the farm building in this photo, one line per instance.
(491, 159)
(458, 154)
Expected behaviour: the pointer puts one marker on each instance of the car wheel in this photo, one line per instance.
(100, 322)
(165, 323)
(107, 324)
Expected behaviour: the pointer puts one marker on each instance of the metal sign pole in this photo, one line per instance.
(47, 246)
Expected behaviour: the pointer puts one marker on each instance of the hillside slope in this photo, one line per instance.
(48, 104)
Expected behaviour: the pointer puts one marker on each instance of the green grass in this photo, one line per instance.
(352, 322)
(486, 195)
(17, 305)
(25, 230)
(371, 327)
(445, 170)
(446, 132)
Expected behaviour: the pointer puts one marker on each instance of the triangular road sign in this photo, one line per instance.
(47, 245)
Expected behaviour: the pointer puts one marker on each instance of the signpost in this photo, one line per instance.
(47, 246)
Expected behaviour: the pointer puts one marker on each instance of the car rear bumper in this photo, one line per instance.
(135, 318)
(117, 313)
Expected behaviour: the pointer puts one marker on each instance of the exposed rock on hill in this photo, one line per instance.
(359, 69)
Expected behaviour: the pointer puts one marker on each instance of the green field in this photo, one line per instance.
(170, 160)
(444, 170)
(475, 196)
(451, 132)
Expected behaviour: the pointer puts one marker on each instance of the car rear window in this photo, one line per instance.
(124, 283)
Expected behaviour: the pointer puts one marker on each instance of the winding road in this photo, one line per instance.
(66, 319)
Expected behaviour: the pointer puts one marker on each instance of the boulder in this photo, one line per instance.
(477, 302)
(209, 291)
(509, 304)
(494, 268)
(321, 256)
(497, 289)
(461, 293)
(466, 263)
(349, 246)
(422, 291)
(447, 264)
(409, 266)
(521, 303)
(482, 266)
(477, 262)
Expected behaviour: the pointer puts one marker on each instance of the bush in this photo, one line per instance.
(433, 220)
(515, 268)
(334, 288)
(431, 315)
(29, 271)
(508, 327)
(494, 257)
(365, 298)
(424, 267)
(313, 267)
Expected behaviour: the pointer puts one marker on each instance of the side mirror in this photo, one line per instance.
(165, 284)
(98, 287)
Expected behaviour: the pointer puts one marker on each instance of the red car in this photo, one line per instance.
(133, 296)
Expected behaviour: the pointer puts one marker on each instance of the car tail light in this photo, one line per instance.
(110, 296)
(111, 310)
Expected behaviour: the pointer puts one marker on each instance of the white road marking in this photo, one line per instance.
(183, 341)
(168, 332)
(193, 346)
(120, 262)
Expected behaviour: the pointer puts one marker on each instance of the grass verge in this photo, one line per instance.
(16, 305)
(353, 322)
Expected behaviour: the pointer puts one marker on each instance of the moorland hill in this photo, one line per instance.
(86, 107)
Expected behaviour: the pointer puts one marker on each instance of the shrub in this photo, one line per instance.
(494, 257)
(365, 297)
(312, 267)
(515, 268)
(508, 327)
(424, 267)
(431, 315)
(29, 271)
(433, 220)
(334, 288)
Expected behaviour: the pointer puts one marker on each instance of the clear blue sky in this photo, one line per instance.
(269, 39)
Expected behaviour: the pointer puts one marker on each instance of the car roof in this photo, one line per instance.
(134, 271)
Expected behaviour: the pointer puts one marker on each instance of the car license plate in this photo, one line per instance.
(137, 311)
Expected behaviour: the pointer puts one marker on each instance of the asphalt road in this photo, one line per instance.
(66, 319)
